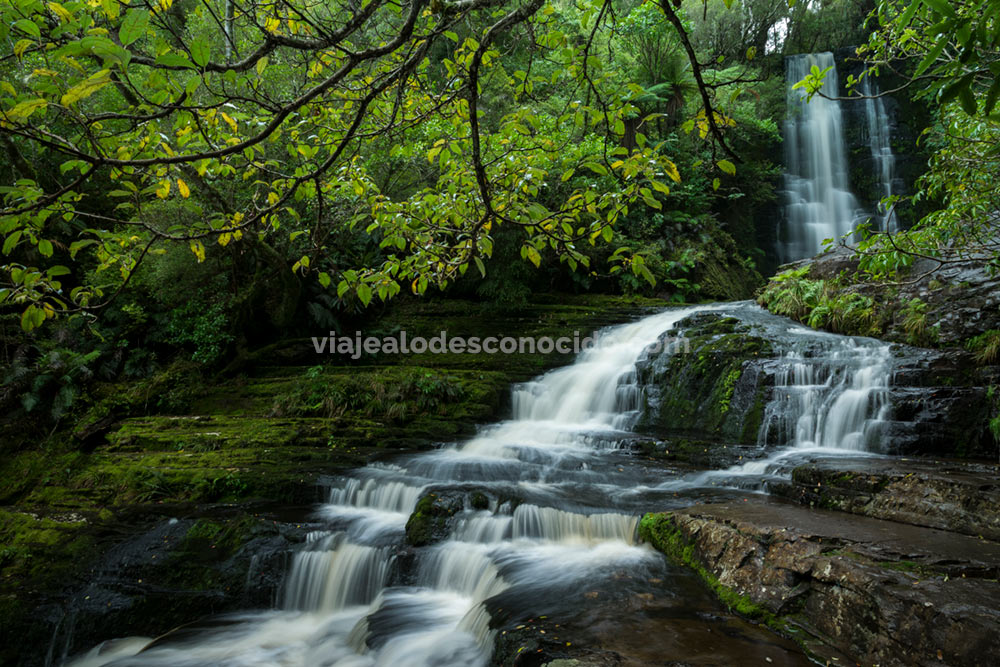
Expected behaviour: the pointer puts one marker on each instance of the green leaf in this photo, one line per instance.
(133, 26)
(29, 27)
(480, 266)
(931, 57)
(324, 279)
(11, 242)
(32, 318)
(598, 169)
(200, 52)
(942, 7)
(968, 100)
(953, 91)
(716, 183)
(45, 247)
(174, 60)
(87, 87)
(727, 166)
(76, 246)
(365, 293)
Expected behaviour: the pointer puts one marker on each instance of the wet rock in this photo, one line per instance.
(950, 495)
(705, 381)
(877, 591)
(175, 572)
(429, 521)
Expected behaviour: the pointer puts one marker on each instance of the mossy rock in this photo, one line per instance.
(713, 389)
(429, 521)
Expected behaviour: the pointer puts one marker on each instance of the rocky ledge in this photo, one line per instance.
(849, 588)
(959, 496)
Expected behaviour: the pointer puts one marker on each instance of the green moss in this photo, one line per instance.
(659, 530)
(697, 390)
(428, 520)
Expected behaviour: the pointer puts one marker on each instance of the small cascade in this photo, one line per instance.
(548, 523)
(334, 574)
(818, 200)
(836, 400)
(830, 397)
(877, 122)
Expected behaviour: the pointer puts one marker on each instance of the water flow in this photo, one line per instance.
(819, 204)
(830, 398)
(877, 121)
(562, 520)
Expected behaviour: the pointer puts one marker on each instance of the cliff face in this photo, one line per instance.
(907, 118)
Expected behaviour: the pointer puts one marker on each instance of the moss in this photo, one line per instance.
(479, 501)
(42, 550)
(698, 391)
(659, 531)
(429, 520)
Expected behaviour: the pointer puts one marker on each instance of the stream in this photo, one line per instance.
(551, 530)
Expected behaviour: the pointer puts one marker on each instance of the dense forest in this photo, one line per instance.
(194, 192)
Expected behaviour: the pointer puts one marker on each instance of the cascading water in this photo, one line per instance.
(830, 398)
(819, 204)
(350, 601)
(879, 133)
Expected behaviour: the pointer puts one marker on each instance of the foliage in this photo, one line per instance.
(946, 55)
(254, 132)
(985, 347)
(201, 326)
(820, 304)
(395, 396)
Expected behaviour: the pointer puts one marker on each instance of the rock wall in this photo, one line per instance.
(705, 398)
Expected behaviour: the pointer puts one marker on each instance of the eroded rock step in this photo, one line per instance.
(880, 592)
(958, 496)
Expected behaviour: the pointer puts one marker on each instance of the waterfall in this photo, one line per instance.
(561, 519)
(877, 121)
(833, 399)
(819, 204)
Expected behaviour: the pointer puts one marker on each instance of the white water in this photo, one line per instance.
(830, 398)
(879, 134)
(818, 200)
(571, 527)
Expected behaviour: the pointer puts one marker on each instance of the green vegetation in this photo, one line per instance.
(821, 304)
(187, 199)
(660, 531)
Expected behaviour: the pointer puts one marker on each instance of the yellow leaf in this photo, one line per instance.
(22, 46)
(87, 87)
(61, 12)
(182, 187)
(24, 109)
(224, 239)
(199, 250)
(164, 190)
(229, 121)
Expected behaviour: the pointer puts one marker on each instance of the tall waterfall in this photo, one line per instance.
(819, 204)
(561, 521)
(877, 121)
